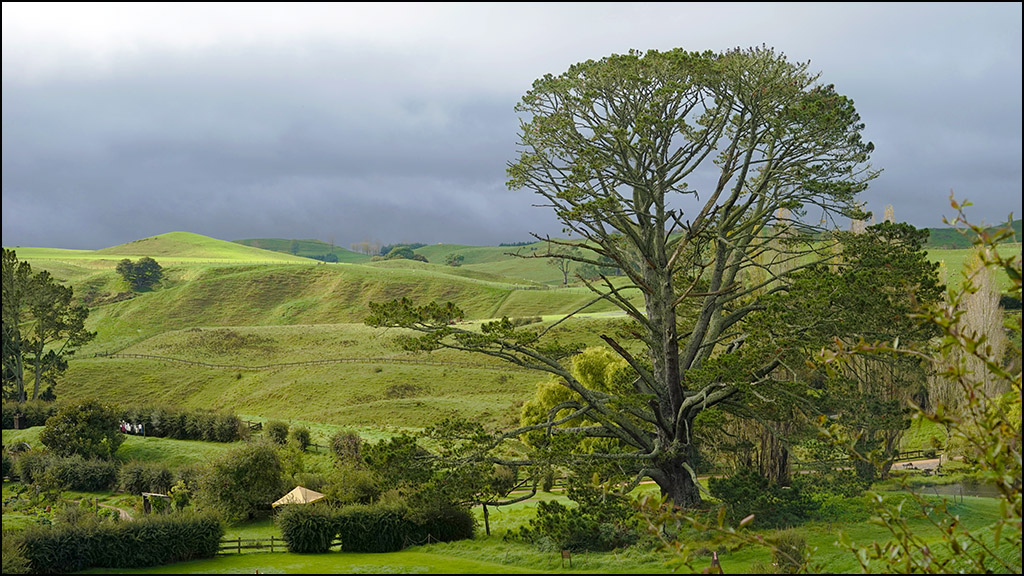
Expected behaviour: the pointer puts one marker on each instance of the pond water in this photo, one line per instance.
(959, 489)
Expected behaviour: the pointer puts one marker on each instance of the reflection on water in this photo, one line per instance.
(960, 489)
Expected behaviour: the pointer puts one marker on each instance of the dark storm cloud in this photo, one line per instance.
(395, 122)
(224, 148)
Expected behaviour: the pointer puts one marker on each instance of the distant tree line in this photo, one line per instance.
(389, 248)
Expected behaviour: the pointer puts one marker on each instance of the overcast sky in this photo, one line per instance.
(395, 122)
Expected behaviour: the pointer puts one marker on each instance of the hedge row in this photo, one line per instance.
(147, 541)
(159, 422)
(371, 528)
(33, 413)
(187, 425)
(71, 472)
(90, 475)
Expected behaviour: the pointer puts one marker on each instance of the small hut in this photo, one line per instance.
(299, 495)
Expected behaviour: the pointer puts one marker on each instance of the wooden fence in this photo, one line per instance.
(243, 545)
(370, 360)
(907, 456)
(236, 546)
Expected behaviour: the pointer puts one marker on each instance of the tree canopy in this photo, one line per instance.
(142, 274)
(610, 145)
(42, 326)
(87, 428)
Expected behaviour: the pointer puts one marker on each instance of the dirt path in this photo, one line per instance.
(121, 512)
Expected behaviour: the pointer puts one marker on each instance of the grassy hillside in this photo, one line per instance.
(304, 248)
(271, 334)
(343, 374)
(953, 260)
(189, 247)
(951, 238)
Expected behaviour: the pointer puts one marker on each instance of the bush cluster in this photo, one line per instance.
(68, 472)
(277, 431)
(773, 506)
(598, 522)
(148, 541)
(381, 527)
(139, 477)
(33, 413)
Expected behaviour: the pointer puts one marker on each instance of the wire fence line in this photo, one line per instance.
(324, 361)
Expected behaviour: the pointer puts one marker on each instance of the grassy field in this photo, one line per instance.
(281, 336)
(952, 263)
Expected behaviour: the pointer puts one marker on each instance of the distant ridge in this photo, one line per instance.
(315, 249)
(953, 238)
(190, 245)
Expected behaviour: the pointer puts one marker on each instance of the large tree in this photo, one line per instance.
(42, 325)
(610, 145)
(140, 275)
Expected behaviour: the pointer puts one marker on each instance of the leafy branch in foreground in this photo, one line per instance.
(986, 422)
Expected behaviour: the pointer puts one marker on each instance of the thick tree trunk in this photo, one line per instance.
(774, 460)
(677, 484)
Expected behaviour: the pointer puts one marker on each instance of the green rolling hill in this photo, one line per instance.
(315, 249)
(951, 238)
(269, 334)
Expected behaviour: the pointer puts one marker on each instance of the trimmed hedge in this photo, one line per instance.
(148, 541)
(371, 528)
(72, 472)
(307, 528)
(138, 477)
(158, 421)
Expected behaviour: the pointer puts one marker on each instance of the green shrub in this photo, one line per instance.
(445, 523)
(243, 481)
(77, 473)
(8, 464)
(398, 460)
(597, 522)
(33, 412)
(307, 528)
(146, 541)
(228, 428)
(70, 473)
(345, 445)
(376, 528)
(773, 506)
(30, 466)
(180, 495)
(14, 559)
(392, 526)
(300, 435)
(350, 484)
(788, 552)
(139, 477)
(196, 424)
(277, 431)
